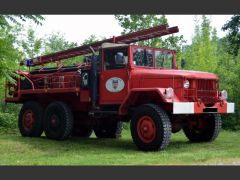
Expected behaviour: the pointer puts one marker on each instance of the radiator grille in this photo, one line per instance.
(206, 90)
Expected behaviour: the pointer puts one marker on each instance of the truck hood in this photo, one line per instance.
(173, 73)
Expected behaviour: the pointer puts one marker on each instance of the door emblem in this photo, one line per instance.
(115, 84)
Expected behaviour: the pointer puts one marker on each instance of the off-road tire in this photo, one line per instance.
(210, 132)
(162, 128)
(109, 130)
(61, 114)
(37, 125)
(82, 131)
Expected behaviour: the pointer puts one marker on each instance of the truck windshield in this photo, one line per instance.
(164, 59)
(147, 57)
(143, 57)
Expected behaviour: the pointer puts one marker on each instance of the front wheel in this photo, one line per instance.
(151, 128)
(203, 128)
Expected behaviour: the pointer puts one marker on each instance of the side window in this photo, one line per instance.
(115, 58)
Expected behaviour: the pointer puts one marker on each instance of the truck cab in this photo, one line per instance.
(128, 71)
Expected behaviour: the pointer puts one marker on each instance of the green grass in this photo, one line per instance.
(17, 150)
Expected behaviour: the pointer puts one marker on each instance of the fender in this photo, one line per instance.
(155, 94)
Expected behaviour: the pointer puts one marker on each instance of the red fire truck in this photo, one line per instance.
(119, 82)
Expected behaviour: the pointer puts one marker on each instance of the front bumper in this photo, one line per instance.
(198, 108)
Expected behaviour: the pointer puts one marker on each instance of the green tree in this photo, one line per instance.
(9, 54)
(202, 54)
(55, 42)
(32, 45)
(233, 36)
(91, 39)
(7, 20)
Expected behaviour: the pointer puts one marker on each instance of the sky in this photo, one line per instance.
(77, 28)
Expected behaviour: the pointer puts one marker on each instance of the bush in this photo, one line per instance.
(8, 120)
(9, 116)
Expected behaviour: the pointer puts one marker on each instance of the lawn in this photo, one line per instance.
(17, 150)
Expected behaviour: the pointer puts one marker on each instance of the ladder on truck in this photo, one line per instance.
(141, 35)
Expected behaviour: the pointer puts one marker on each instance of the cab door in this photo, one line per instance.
(114, 75)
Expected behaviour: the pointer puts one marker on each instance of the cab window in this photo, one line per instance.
(143, 57)
(115, 58)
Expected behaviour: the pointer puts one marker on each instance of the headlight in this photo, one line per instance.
(186, 84)
(169, 92)
(224, 95)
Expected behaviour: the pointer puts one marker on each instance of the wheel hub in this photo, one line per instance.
(54, 122)
(28, 119)
(146, 129)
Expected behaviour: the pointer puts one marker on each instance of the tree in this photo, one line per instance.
(9, 52)
(32, 45)
(6, 20)
(57, 42)
(91, 39)
(233, 36)
(131, 23)
(202, 55)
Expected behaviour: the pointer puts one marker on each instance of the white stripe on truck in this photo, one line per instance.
(183, 108)
(230, 107)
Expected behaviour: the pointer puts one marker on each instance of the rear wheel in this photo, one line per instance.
(108, 129)
(30, 119)
(203, 128)
(151, 128)
(58, 121)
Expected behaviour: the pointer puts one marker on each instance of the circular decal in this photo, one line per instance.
(115, 84)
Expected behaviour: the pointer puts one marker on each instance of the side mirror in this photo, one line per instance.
(119, 58)
(183, 62)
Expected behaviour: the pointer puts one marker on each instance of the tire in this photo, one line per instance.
(208, 131)
(58, 121)
(110, 129)
(82, 131)
(30, 122)
(151, 128)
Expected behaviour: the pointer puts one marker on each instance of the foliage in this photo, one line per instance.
(31, 45)
(57, 42)
(7, 20)
(9, 115)
(233, 36)
(202, 54)
(91, 39)
(9, 54)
